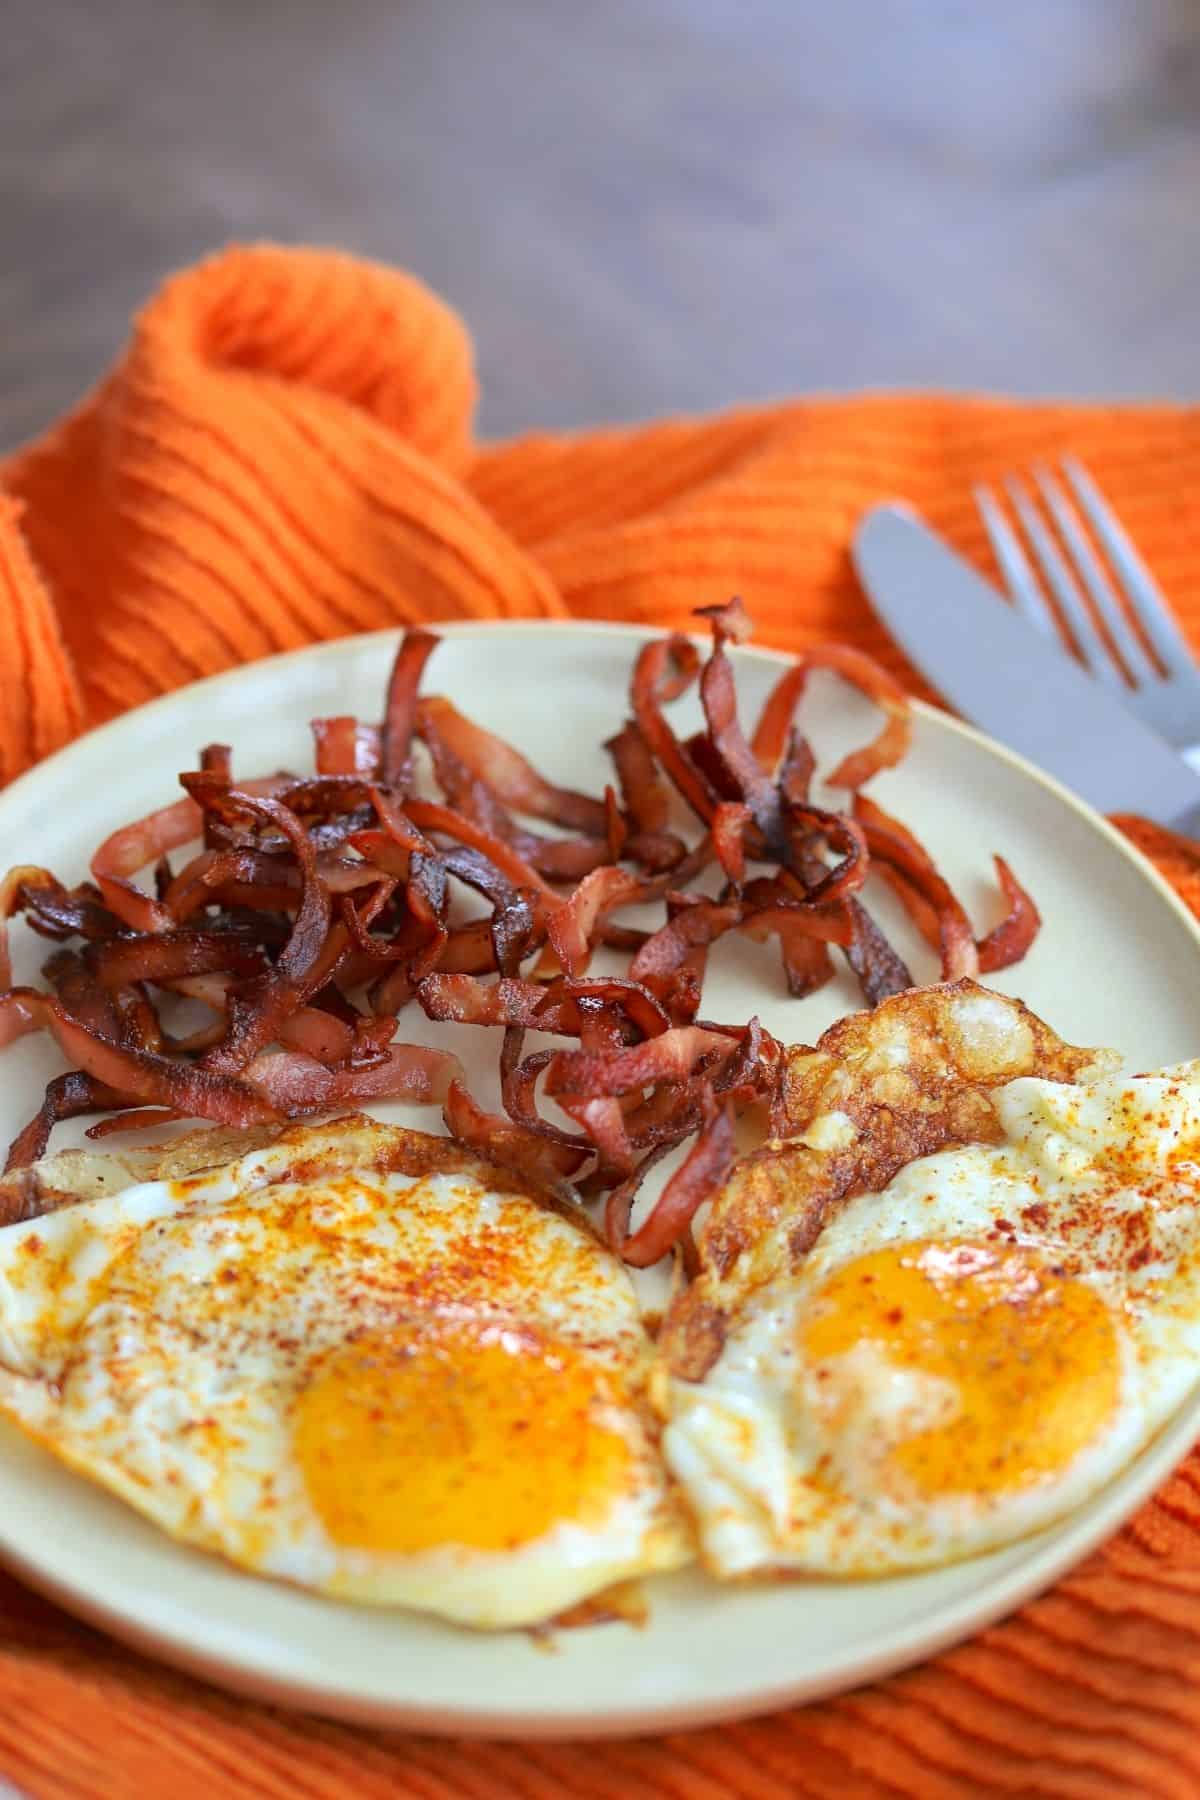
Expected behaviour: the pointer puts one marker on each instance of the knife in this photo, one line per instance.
(1005, 677)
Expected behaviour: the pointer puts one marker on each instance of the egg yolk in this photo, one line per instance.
(1031, 1354)
(444, 1435)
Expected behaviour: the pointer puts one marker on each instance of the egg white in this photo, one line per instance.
(789, 1465)
(159, 1340)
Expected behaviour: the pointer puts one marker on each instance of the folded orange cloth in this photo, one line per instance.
(285, 453)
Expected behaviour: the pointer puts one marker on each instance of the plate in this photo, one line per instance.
(1118, 962)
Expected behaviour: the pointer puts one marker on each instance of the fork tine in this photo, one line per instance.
(1054, 568)
(1018, 574)
(1092, 573)
(1140, 586)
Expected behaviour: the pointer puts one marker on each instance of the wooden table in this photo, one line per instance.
(640, 205)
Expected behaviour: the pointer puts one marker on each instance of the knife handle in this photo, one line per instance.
(1187, 829)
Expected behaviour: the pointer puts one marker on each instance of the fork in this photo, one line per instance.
(1162, 689)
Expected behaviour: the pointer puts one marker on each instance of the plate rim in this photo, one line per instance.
(248, 1672)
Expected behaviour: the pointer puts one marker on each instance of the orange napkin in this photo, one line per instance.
(285, 453)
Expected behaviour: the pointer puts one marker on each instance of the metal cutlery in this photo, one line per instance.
(1000, 671)
(1127, 637)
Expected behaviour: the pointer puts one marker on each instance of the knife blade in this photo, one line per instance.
(1003, 676)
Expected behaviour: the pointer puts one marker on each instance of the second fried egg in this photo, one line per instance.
(966, 1356)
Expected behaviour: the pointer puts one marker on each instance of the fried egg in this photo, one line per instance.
(966, 1355)
(357, 1359)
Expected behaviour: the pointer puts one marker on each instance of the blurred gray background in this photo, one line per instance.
(639, 205)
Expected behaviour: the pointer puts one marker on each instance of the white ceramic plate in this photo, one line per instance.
(1117, 963)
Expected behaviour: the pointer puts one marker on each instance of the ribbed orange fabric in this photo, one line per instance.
(284, 452)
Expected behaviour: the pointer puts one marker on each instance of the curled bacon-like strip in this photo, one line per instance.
(1007, 942)
(507, 772)
(642, 793)
(617, 995)
(730, 622)
(807, 964)
(518, 1087)
(309, 797)
(704, 1171)
(427, 897)
(468, 949)
(430, 816)
(603, 1121)
(471, 797)
(465, 1000)
(18, 1016)
(360, 1043)
(672, 1056)
(619, 1205)
(690, 928)
(15, 891)
(217, 759)
(301, 965)
(513, 932)
(510, 1001)
(293, 1083)
(133, 1118)
(880, 971)
(131, 848)
(469, 789)
(358, 915)
(573, 924)
(861, 671)
(797, 770)
(67, 1097)
(509, 1144)
(54, 912)
(665, 668)
(400, 710)
(569, 859)
(214, 872)
(341, 746)
(804, 932)
(737, 763)
(335, 745)
(146, 1076)
(846, 835)
(616, 832)
(645, 802)
(729, 824)
(921, 911)
(582, 920)
(172, 954)
(765, 898)
(892, 843)
(81, 995)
